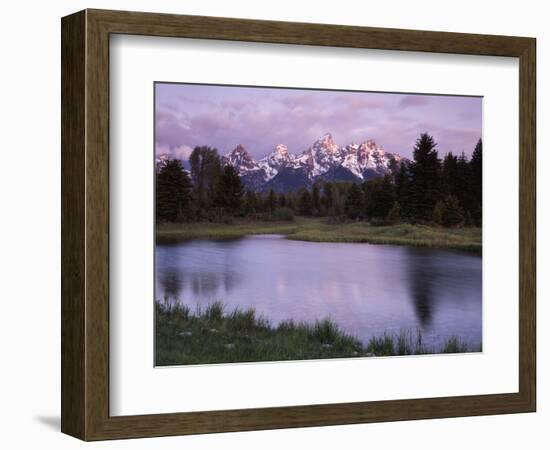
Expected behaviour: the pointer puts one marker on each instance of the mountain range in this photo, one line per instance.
(283, 171)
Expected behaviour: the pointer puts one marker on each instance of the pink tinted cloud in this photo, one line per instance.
(414, 100)
(261, 118)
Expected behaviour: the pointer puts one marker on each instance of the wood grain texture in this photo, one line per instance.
(201, 27)
(527, 224)
(85, 224)
(73, 320)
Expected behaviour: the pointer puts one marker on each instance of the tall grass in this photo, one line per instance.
(326, 230)
(453, 345)
(408, 343)
(176, 232)
(214, 335)
(468, 239)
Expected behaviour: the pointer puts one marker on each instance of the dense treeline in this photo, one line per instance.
(427, 189)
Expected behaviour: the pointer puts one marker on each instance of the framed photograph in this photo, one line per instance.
(273, 225)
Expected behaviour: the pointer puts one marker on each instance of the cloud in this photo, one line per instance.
(414, 100)
(358, 102)
(180, 152)
(235, 104)
(223, 117)
(189, 99)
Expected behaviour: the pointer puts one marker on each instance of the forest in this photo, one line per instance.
(444, 191)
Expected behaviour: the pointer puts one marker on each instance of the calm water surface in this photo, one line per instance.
(366, 289)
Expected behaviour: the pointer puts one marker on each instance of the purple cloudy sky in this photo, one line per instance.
(188, 115)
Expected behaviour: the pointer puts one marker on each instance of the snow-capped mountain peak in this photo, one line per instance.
(281, 149)
(240, 159)
(161, 160)
(278, 158)
(323, 159)
(325, 143)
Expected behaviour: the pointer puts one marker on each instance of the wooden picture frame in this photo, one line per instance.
(85, 224)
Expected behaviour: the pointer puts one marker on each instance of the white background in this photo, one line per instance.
(136, 387)
(30, 238)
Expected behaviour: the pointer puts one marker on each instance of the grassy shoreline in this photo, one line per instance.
(320, 230)
(213, 335)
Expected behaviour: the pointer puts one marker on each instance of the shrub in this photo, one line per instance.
(394, 214)
(437, 215)
(452, 212)
(448, 212)
(283, 214)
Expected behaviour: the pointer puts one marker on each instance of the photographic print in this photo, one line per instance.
(298, 224)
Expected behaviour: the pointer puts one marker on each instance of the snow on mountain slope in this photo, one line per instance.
(275, 161)
(324, 159)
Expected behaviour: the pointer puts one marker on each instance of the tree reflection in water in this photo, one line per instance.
(424, 273)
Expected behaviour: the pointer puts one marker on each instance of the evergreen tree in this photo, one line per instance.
(394, 168)
(172, 192)
(424, 189)
(340, 196)
(463, 183)
(291, 201)
(449, 176)
(205, 171)
(476, 164)
(384, 197)
(437, 215)
(282, 200)
(251, 202)
(271, 201)
(316, 198)
(380, 196)
(447, 191)
(402, 182)
(355, 202)
(306, 203)
(394, 214)
(452, 213)
(229, 190)
(328, 196)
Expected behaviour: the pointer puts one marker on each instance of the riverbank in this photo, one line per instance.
(320, 230)
(214, 335)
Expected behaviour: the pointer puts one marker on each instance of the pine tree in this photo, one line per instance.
(402, 183)
(305, 203)
(380, 196)
(271, 201)
(250, 202)
(476, 164)
(229, 190)
(394, 168)
(205, 171)
(394, 214)
(291, 201)
(449, 176)
(172, 192)
(437, 214)
(384, 197)
(282, 200)
(328, 196)
(452, 213)
(316, 199)
(425, 178)
(355, 202)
